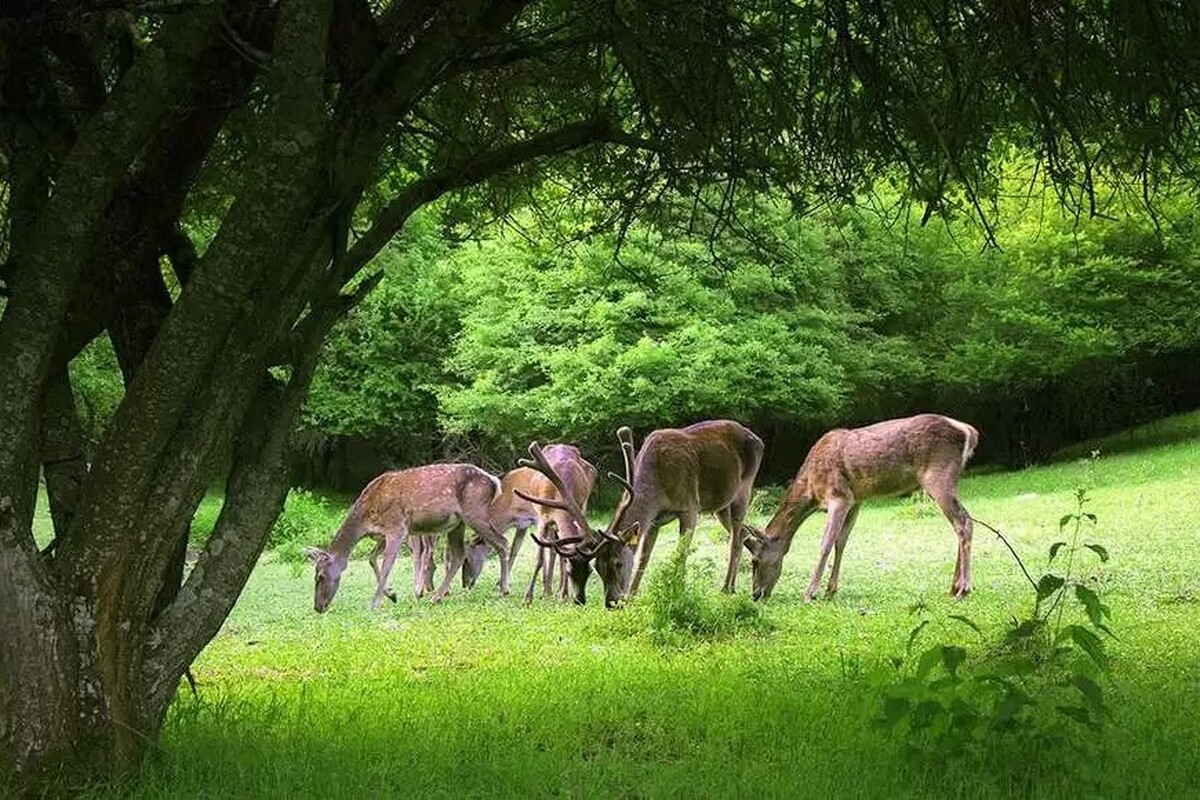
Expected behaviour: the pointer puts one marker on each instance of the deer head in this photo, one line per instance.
(766, 561)
(611, 553)
(328, 575)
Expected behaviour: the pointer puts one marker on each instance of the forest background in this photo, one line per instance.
(1052, 328)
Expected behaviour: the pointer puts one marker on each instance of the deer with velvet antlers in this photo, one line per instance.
(846, 467)
(557, 518)
(421, 502)
(677, 475)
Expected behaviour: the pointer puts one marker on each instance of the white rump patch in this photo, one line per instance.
(970, 439)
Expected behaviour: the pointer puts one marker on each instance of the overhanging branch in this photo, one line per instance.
(473, 171)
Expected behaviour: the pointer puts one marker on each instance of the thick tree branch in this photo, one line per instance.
(476, 169)
(41, 286)
(254, 496)
(61, 450)
(271, 206)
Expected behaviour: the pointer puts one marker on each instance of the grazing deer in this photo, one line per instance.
(506, 510)
(583, 545)
(422, 502)
(677, 474)
(577, 476)
(846, 467)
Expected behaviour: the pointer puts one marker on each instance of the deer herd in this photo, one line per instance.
(677, 474)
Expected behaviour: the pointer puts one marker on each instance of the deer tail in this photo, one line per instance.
(970, 439)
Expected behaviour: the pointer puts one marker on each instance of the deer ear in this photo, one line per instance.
(752, 544)
(316, 555)
(630, 537)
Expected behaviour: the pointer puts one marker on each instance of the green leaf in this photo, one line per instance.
(912, 637)
(1077, 713)
(1048, 585)
(1066, 519)
(1054, 548)
(929, 659)
(1024, 629)
(1089, 517)
(952, 658)
(1090, 643)
(962, 714)
(1092, 694)
(1018, 666)
(1096, 610)
(967, 621)
(1100, 551)
(894, 710)
(925, 712)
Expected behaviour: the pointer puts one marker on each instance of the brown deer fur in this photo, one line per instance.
(423, 501)
(846, 467)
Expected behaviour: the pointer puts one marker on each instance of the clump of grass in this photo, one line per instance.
(682, 609)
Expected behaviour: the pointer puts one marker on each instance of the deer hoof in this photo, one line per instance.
(391, 596)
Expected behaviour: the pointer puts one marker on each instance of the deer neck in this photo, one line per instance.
(797, 504)
(348, 535)
(641, 509)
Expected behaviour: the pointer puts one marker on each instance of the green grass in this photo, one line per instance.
(480, 697)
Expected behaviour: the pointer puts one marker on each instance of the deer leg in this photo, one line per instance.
(947, 500)
(422, 560)
(455, 553)
(537, 567)
(514, 548)
(373, 559)
(838, 546)
(687, 527)
(731, 518)
(547, 533)
(645, 545)
(837, 511)
(391, 548)
(483, 527)
(564, 580)
(942, 487)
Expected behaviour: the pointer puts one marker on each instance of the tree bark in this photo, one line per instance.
(98, 639)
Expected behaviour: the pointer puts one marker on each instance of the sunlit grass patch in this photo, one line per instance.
(482, 697)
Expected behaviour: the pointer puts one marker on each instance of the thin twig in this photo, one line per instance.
(1020, 563)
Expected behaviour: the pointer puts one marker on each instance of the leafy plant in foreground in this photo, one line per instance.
(1027, 699)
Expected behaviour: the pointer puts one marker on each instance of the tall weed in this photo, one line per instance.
(684, 610)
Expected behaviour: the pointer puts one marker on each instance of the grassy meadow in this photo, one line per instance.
(482, 697)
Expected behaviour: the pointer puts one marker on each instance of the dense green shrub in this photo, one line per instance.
(684, 609)
(308, 520)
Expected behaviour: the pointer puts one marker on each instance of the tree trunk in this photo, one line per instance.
(96, 632)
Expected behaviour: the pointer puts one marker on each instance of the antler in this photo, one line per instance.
(567, 502)
(625, 437)
(560, 546)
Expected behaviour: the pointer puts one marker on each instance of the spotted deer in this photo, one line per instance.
(846, 467)
(676, 475)
(421, 502)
